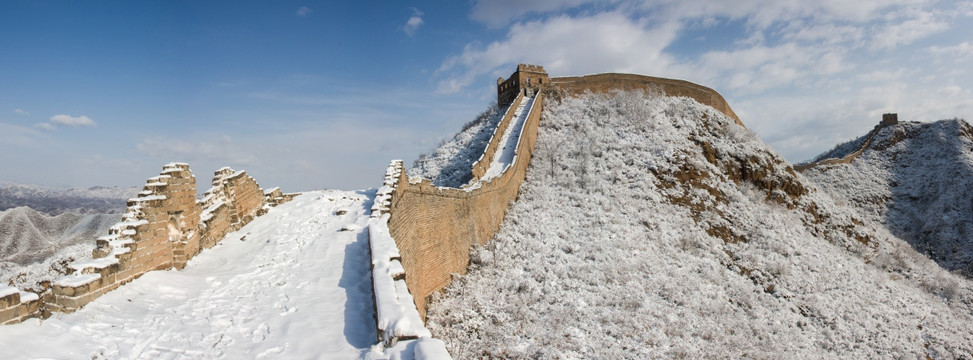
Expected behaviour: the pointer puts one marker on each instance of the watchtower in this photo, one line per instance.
(527, 78)
(889, 119)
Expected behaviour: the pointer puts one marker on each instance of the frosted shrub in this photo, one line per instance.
(627, 266)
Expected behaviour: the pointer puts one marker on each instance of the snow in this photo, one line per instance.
(382, 245)
(505, 156)
(294, 287)
(77, 280)
(27, 296)
(7, 291)
(100, 263)
(450, 164)
(915, 179)
(610, 252)
(396, 311)
(148, 198)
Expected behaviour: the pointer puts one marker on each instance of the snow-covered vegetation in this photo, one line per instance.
(916, 179)
(654, 227)
(54, 201)
(450, 164)
(36, 247)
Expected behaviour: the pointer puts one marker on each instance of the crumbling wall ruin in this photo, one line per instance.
(162, 228)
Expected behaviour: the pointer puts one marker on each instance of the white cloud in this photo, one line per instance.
(803, 74)
(606, 42)
(907, 28)
(964, 49)
(45, 126)
(496, 13)
(21, 112)
(414, 22)
(219, 149)
(303, 11)
(72, 121)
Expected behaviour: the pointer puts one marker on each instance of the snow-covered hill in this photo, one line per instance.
(654, 227)
(52, 201)
(451, 162)
(916, 179)
(35, 246)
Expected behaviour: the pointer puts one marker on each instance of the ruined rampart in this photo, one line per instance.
(162, 228)
(435, 227)
(626, 82)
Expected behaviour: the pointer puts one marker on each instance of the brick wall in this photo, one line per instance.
(435, 227)
(162, 228)
(625, 82)
(482, 164)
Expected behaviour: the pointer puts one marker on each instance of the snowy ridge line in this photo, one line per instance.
(847, 158)
(480, 167)
(396, 316)
(608, 82)
(162, 228)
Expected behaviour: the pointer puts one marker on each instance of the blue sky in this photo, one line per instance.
(308, 95)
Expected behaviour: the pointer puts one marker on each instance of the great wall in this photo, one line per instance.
(419, 234)
(424, 233)
(163, 228)
(887, 120)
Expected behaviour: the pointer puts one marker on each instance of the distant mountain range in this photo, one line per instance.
(94, 200)
(42, 229)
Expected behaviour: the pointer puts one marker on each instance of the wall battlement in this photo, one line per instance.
(526, 79)
(162, 228)
(670, 87)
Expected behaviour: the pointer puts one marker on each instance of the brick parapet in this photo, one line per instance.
(482, 164)
(435, 227)
(625, 82)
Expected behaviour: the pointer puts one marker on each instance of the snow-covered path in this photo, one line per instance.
(293, 283)
(511, 137)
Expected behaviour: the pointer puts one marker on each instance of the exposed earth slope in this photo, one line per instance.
(655, 227)
(915, 178)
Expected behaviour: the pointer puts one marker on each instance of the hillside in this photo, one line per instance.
(655, 227)
(915, 179)
(36, 246)
(94, 200)
(449, 163)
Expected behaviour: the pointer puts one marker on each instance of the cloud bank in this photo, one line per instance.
(836, 64)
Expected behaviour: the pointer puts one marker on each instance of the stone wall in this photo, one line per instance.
(887, 120)
(625, 82)
(482, 164)
(163, 228)
(434, 227)
(17, 306)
